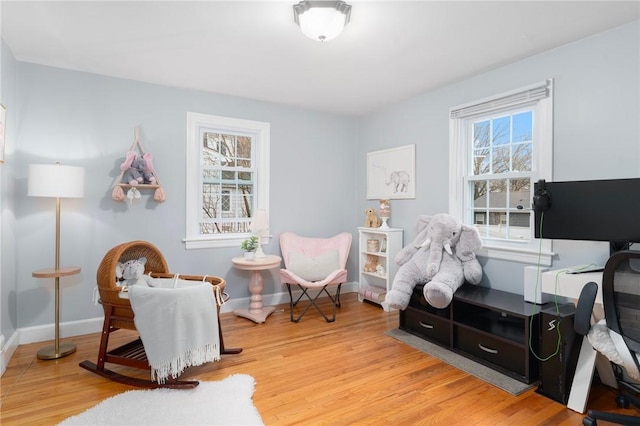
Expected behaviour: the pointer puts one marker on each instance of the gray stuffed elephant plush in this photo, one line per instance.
(442, 256)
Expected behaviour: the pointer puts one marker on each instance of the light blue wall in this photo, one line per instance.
(596, 132)
(317, 163)
(88, 120)
(8, 282)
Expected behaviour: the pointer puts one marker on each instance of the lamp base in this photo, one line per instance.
(259, 254)
(49, 352)
(384, 223)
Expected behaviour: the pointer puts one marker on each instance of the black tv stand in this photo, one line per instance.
(489, 326)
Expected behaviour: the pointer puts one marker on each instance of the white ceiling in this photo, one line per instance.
(391, 50)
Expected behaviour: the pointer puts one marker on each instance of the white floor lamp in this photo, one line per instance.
(56, 181)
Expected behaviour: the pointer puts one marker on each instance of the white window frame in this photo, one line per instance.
(197, 124)
(536, 251)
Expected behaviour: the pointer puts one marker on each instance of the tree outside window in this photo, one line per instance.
(502, 148)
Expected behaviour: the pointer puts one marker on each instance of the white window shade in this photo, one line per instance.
(522, 96)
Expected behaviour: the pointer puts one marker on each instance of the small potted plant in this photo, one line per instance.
(249, 246)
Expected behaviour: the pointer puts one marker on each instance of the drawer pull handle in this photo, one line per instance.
(424, 325)
(486, 349)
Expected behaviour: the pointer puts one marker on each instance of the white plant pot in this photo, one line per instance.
(249, 254)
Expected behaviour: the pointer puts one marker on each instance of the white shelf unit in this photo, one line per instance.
(374, 286)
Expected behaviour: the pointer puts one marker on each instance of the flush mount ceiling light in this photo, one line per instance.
(322, 20)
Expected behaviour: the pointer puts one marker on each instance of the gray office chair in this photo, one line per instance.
(621, 299)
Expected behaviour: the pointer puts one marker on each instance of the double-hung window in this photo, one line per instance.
(499, 147)
(227, 178)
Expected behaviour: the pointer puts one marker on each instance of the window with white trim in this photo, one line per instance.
(499, 147)
(227, 178)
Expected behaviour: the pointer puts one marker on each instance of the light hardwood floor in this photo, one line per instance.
(310, 373)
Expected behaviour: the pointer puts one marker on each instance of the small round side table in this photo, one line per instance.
(256, 311)
(57, 350)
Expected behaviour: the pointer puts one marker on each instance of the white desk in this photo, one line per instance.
(570, 286)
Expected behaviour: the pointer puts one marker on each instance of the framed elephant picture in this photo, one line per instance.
(391, 173)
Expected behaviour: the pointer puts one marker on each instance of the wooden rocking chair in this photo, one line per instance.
(118, 314)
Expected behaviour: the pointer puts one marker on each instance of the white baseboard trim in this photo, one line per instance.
(41, 333)
(7, 349)
(46, 332)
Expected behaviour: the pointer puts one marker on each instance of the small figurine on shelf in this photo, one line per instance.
(138, 169)
(371, 218)
(385, 213)
(373, 245)
(371, 264)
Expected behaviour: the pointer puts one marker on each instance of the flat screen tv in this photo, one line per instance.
(595, 210)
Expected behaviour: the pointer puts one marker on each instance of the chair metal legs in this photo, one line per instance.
(335, 301)
(620, 419)
(623, 400)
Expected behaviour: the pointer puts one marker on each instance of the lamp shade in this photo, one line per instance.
(322, 20)
(55, 180)
(260, 223)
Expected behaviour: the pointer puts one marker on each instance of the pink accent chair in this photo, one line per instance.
(314, 264)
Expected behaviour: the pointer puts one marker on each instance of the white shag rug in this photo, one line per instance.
(227, 402)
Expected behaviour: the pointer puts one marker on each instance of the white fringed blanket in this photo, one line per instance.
(178, 327)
